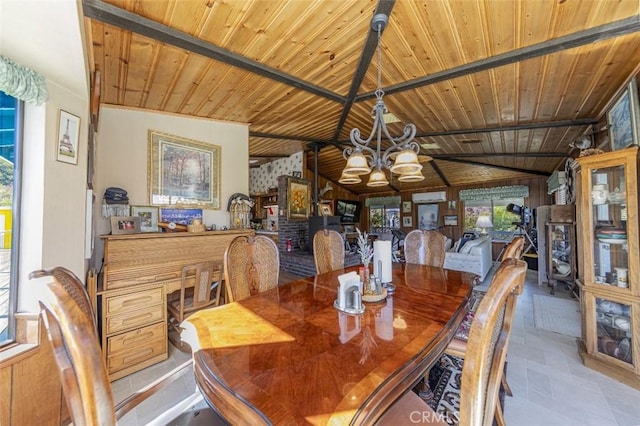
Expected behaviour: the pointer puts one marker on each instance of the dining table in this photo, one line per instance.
(288, 356)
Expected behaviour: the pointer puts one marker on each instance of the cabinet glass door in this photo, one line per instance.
(613, 328)
(609, 204)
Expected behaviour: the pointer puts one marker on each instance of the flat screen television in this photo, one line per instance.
(348, 210)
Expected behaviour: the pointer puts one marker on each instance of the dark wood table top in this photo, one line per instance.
(287, 356)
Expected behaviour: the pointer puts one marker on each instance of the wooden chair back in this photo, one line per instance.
(514, 248)
(76, 349)
(425, 247)
(251, 265)
(487, 345)
(199, 277)
(328, 251)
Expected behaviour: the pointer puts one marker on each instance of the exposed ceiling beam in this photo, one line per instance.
(270, 156)
(514, 127)
(570, 41)
(502, 154)
(369, 49)
(496, 166)
(286, 137)
(439, 172)
(103, 12)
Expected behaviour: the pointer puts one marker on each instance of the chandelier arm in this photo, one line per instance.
(359, 143)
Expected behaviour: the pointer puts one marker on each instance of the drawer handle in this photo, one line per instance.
(168, 276)
(137, 318)
(137, 300)
(140, 354)
(137, 337)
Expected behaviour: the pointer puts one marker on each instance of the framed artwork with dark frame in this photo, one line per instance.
(183, 172)
(125, 225)
(450, 220)
(623, 118)
(298, 191)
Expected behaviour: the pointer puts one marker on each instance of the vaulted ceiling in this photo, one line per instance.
(496, 88)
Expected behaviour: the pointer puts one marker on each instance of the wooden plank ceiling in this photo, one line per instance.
(501, 87)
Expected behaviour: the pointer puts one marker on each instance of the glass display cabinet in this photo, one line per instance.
(608, 240)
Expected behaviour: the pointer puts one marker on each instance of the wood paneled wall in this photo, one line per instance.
(30, 389)
(537, 197)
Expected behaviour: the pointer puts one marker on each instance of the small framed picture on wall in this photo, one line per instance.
(407, 222)
(450, 220)
(406, 207)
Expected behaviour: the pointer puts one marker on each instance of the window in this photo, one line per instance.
(383, 219)
(502, 220)
(10, 149)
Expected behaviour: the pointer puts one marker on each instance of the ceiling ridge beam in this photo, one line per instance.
(591, 35)
(112, 15)
(368, 51)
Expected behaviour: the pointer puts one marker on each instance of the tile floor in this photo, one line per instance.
(549, 383)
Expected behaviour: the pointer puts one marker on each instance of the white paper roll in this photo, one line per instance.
(382, 253)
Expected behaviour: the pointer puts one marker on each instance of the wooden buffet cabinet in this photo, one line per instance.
(139, 271)
(610, 272)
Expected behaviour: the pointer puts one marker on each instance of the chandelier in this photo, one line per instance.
(401, 157)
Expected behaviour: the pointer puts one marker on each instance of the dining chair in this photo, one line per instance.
(425, 247)
(71, 330)
(477, 400)
(328, 251)
(458, 345)
(514, 248)
(200, 288)
(251, 265)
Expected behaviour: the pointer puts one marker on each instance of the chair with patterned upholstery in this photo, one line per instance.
(328, 251)
(251, 266)
(69, 320)
(199, 289)
(479, 375)
(425, 247)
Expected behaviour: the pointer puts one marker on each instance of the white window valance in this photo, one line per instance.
(383, 201)
(21, 82)
(496, 193)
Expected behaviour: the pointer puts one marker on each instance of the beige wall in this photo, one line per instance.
(121, 157)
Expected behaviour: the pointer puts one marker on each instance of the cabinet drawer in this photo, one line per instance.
(134, 301)
(130, 358)
(128, 320)
(136, 338)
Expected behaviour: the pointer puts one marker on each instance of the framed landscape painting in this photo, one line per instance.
(183, 172)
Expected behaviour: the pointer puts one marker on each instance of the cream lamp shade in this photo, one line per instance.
(484, 222)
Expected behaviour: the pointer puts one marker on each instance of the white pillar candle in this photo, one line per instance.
(382, 261)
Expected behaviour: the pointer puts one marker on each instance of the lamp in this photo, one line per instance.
(362, 158)
(484, 222)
